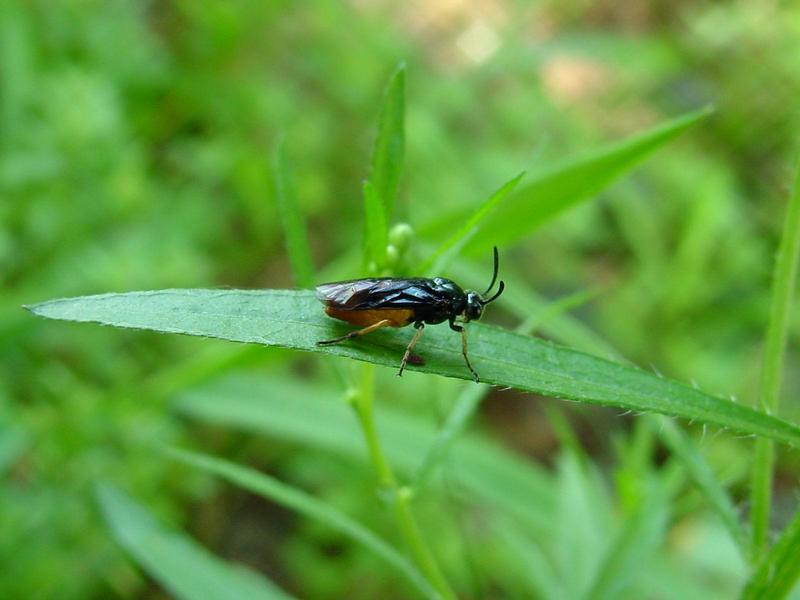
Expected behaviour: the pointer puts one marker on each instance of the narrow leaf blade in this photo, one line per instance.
(297, 500)
(635, 543)
(294, 319)
(786, 264)
(552, 191)
(376, 236)
(704, 478)
(778, 572)
(279, 408)
(181, 565)
(387, 155)
(294, 227)
(464, 408)
(453, 245)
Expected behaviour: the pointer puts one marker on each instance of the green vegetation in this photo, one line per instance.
(224, 154)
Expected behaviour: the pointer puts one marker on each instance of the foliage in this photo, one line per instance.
(292, 319)
(140, 150)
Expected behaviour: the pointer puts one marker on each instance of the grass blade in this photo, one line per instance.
(183, 567)
(554, 190)
(437, 261)
(782, 299)
(280, 409)
(556, 310)
(582, 526)
(641, 533)
(294, 227)
(376, 236)
(307, 505)
(772, 367)
(535, 568)
(780, 568)
(293, 319)
(464, 408)
(702, 475)
(634, 546)
(387, 155)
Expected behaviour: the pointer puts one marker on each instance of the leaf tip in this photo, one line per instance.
(708, 109)
(397, 80)
(511, 184)
(699, 114)
(34, 309)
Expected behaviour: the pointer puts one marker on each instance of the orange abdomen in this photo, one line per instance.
(365, 318)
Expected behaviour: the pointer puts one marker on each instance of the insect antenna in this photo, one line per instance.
(494, 273)
(499, 291)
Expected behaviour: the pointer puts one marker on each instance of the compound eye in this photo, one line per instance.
(474, 308)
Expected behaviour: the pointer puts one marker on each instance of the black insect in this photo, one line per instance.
(396, 302)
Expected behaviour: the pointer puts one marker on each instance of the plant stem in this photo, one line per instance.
(400, 495)
(772, 367)
(363, 406)
(761, 497)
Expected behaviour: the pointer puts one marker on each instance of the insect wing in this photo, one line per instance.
(363, 294)
(342, 293)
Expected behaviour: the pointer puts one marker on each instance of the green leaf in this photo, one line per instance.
(464, 408)
(387, 155)
(177, 562)
(555, 310)
(281, 408)
(778, 571)
(440, 258)
(294, 227)
(377, 234)
(525, 556)
(294, 319)
(702, 475)
(582, 523)
(635, 544)
(559, 187)
(786, 263)
(305, 504)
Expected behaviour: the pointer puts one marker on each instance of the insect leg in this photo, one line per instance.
(466, 357)
(354, 334)
(419, 325)
(463, 333)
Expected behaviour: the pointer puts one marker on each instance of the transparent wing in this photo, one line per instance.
(385, 292)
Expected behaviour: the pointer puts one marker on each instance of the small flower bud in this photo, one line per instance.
(400, 236)
(392, 255)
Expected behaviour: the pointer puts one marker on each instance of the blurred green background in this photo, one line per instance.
(135, 144)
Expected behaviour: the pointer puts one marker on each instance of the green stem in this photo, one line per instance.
(401, 495)
(363, 406)
(772, 368)
(417, 544)
(761, 497)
